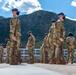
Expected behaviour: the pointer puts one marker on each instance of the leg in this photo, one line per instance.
(41, 57)
(31, 54)
(58, 54)
(0, 58)
(46, 56)
(68, 58)
(18, 50)
(72, 56)
(8, 55)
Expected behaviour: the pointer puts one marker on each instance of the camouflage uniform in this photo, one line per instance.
(15, 45)
(59, 47)
(1, 53)
(8, 51)
(42, 54)
(24, 59)
(70, 48)
(31, 44)
(52, 39)
(46, 48)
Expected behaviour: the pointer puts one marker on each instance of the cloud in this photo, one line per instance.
(71, 18)
(51, 10)
(73, 3)
(0, 0)
(27, 6)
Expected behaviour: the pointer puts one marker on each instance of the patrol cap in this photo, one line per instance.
(53, 20)
(70, 34)
(29, 32)
(61, 13)
(15, 9)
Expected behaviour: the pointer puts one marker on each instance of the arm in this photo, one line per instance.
(63, 32)
(12, 29)
(28, 42)
(18, 28)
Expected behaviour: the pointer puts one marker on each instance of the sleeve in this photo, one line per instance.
(18, 28)
(8, 43)
(74, 41)
(49, 37)
(48, 43)
(11, 29)
(43, 41)
(29, 39)
(67, 40)
(63, 31)
(50, 30)
(33, 41)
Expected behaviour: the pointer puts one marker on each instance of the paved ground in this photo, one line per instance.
(64, 69)
(4, 65)
(37, 69)
(25, 69)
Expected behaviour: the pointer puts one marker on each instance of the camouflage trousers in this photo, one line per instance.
(46, 54)
(13, 57)
(8, 55)
(70, 56)
(46, 57)
(15, 52)
(1, 58)
(59, 55)
(42, 55)
(31, 54)
(19, 56)
(24, 59)
(52, 54)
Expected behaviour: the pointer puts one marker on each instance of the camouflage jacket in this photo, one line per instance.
(15, 27)
(60, 29)
(31, 41)
(42, 48)
(52, 34)
(46, 43)
(70, 41)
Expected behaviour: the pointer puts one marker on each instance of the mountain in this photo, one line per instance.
(38, 22)
(1, 17)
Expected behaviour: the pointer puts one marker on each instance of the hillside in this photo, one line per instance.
(1, 17)
(38, 22)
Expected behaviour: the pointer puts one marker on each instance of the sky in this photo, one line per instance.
(68, 7)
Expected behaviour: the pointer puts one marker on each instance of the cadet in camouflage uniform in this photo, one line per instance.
(15, 33)
(52, 41)
(60, 39)
(30, 45)
(46, 48)
(8, 50)
(42, 54)
(1, 53)
(70, 40)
